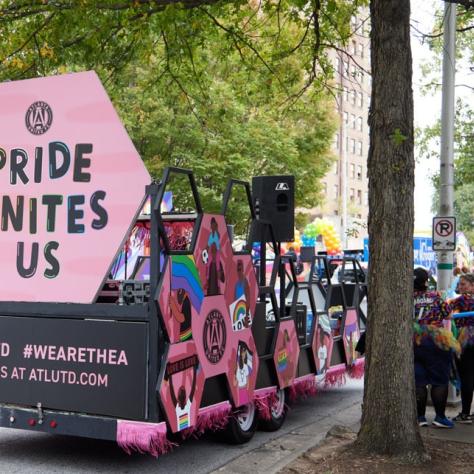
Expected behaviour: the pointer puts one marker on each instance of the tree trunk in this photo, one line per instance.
(389, 424)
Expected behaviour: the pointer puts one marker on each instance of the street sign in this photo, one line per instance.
(444, 234)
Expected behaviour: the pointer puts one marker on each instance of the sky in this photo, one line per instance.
(427, 108)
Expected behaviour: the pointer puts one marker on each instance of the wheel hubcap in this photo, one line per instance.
(279, 405)
(246, 416)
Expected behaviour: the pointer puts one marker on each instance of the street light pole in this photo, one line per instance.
(446, 208)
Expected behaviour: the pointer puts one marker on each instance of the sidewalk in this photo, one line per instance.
(275, 455)
(290, 452)
(450, 451)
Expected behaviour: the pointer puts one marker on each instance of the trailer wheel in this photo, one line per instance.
(242, 425)
(278, 413)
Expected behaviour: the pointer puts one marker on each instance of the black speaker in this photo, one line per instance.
(274, 201)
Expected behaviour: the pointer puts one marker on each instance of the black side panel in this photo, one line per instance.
(87, 366)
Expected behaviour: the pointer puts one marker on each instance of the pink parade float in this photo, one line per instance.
(128, 316)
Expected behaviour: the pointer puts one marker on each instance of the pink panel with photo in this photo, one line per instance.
(287, 352)
(182, 386)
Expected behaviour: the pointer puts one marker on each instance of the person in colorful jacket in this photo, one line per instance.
(432, 350)
(465, 328)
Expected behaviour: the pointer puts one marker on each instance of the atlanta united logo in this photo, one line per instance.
(39, 117)
(214, 336)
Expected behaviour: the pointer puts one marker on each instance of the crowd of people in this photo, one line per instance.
(444, 347)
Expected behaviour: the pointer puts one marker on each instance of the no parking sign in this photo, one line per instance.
(444, 234)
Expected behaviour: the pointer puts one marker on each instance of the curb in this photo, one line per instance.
(275, 455)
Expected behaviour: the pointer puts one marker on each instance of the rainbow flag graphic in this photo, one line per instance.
(184, 275)
(238, 311)
(183, 422)
(282, 361)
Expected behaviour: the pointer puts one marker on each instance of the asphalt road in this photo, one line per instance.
(26, 452)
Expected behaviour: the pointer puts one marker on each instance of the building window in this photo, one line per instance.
(359, 196)
(353, 97)
(359, 172)
(345, 72)
(359, 124)
(366, 198)
(361, 99)
(353, 121)
(352, 194)
(359, 148)
(361, 50)
(336, 212)
(353, 22)
(352, 168)
(347, 143)
(359, 216)
(336, 190)
(346, 118)
(325, 189)
(346, 93)
(335, 167)
(338, 64)
(353, 146)
(354, 72)
(337, 141)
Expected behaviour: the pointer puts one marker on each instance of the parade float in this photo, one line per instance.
(127, 316)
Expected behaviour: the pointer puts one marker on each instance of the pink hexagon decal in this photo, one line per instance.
(241, 292)
(71, 183)
(287, 352)
(182, 386)
(180, 297)
(212, 332)
(213, 254)
(242, 368)
(351, 335)
(322, 345)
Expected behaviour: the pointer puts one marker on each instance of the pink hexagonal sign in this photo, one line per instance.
(71, 183)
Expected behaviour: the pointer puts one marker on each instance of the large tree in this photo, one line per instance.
(228, 89)
(389, 424)
(43, 35)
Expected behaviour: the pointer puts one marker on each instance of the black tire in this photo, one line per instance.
(278, 413)
(242, 425)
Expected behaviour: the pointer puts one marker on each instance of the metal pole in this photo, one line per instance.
(345, 141)
(445, 259)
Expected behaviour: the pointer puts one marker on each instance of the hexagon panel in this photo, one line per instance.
(182, 386)
(243, 368)
(322, 345)
(287, 352)
(351, 335)
(79, 183)
(241, 292)
(213, 254)
(180, 297)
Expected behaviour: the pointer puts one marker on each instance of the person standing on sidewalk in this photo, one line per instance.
(432, 350)
(465, 326)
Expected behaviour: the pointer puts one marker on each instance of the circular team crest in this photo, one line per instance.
(39, 118)
(214, 336)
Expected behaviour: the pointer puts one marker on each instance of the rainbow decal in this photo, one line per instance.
(184, 275)
(282, 360)
(183, 422)
(185, 335)
(238, 312)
